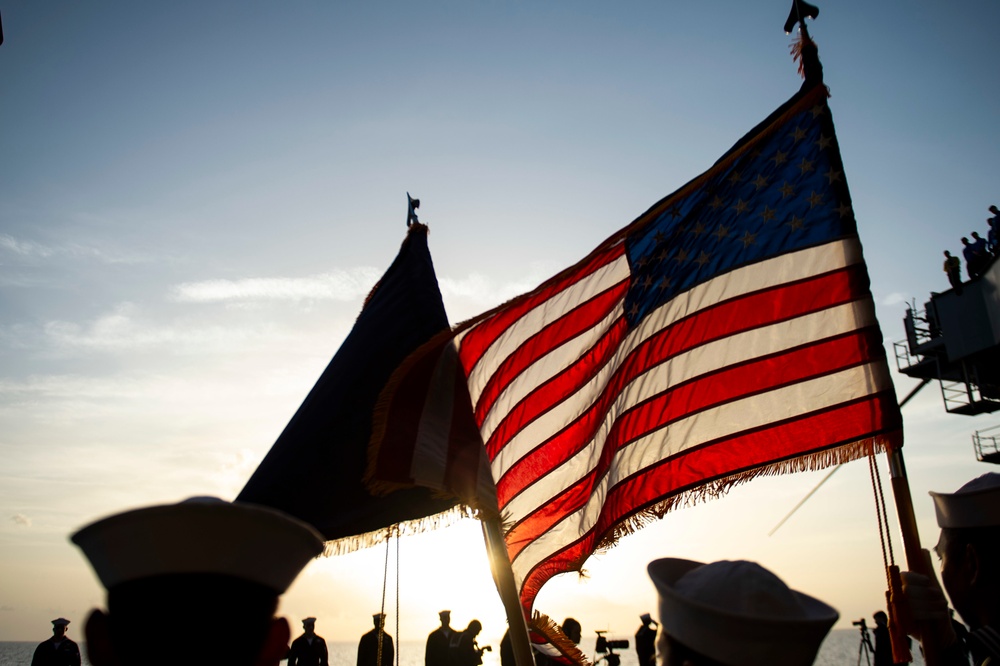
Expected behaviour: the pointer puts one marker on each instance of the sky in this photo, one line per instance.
(196, 197)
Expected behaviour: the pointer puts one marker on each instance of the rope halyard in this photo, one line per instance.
(397, 593)
(894, 583)
(385, 577)
(879, 512)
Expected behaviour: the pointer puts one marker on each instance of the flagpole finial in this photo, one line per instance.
(411, 214)
(804, 50)
(801, 10)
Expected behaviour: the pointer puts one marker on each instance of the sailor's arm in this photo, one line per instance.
(929, 620)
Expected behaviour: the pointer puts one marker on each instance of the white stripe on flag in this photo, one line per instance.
(730, 418)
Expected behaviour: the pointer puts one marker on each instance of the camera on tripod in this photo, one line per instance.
(865, 648)
(607, 648)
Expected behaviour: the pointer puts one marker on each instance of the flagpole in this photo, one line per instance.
(503, 576)
(918, 559)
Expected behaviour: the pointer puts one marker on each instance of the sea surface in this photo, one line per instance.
(839, 649)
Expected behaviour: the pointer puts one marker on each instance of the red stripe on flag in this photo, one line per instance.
(707, 391)
(728, 384)
(557, 389)
(574, 322)
(717, 322)
(775, 442)
(866, 417)
(481, 337)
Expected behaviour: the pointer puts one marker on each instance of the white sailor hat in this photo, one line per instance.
(739, 613)
(976, 504)
(200, 535)
(60, 622)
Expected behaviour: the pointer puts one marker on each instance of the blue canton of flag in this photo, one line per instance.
(785, 192)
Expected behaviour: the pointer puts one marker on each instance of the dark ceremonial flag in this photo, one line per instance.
(314, 470)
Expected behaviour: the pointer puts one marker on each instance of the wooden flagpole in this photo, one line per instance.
(918, 559)
(503, 576)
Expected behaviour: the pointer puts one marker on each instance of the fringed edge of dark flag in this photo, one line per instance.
(358, 542)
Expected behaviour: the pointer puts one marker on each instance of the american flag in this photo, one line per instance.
(727, 332)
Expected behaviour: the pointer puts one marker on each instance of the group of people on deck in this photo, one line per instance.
(978, 252)
(207, 574)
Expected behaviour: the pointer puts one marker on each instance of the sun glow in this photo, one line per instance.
(445, 568)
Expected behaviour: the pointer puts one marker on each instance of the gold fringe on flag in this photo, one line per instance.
(416, 526)
(544, 626)
(719, 487)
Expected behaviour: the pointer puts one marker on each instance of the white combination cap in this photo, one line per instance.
(739, 613)
(204, 535)
(976, 504)
(60, 622)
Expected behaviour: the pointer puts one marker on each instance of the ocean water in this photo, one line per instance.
(839, 649)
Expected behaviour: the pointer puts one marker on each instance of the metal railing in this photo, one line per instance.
(986, 443)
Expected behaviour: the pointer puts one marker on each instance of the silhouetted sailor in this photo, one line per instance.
(973, 257)
(439, 642)
(980, 253)
(205, 574)
(57, 650)
(309, 649)
(645, 641)
(368, 647)
(469, 653)
(734, 613)
(993, 236)
(969, 548)
(981, 245)
(953, 269)
(571, 627)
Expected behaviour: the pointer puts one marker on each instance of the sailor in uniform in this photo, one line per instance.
(734, 614)
(205, 573)
(368, 646)
(309, 649)
(969, 548)
(58, 650)
(439, 642)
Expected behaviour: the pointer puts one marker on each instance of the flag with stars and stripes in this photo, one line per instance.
(728, 332)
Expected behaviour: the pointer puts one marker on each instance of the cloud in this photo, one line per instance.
(32, 250)
(24, 248)
(481, 292)
(894, 298)
(6, 609)
(125, 329)
(340, 285)
(21, 519)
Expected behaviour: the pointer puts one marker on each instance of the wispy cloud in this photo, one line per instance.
(340, 285)
(126, 329)
(476, 286)
(21, 519)
(894, 298)
(26, 249)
